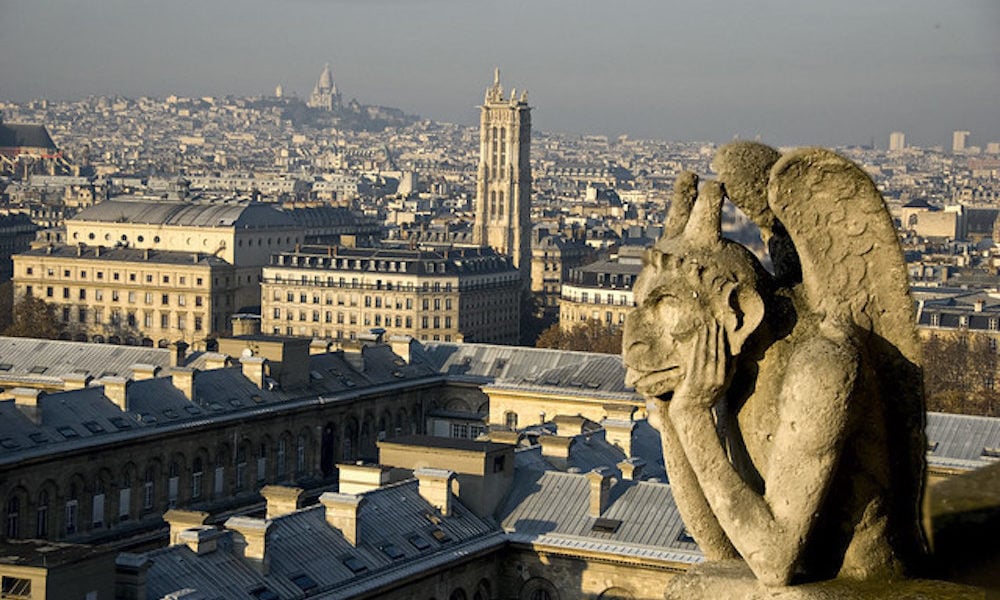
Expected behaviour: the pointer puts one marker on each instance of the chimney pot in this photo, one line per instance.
(141, 371)
(632, 468)
(255, 368)
(76, 381)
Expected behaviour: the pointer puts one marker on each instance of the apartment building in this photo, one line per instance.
(335, 292)
(132, 296)
(600, 291)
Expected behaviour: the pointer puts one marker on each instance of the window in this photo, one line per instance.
(197, 474)
(13, 517)
(15, 587)
(97, 510)
(165, 299)
(510, 419)
(280, 458)
(300, 455)
(147, 490)
(71, 510)
(125, 499)
(42, 516)
(261, 462)
(241, 467)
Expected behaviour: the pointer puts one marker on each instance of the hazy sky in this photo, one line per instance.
(791, 71)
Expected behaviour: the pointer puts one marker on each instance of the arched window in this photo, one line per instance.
(261, 461)
(458, 594)
(300, 455)
(173, 484)
(13, 517)
(72, 507)
(510, 420)
(280, 460)
(241, 466)
(197, 474)
(42, 516)
(147, 490)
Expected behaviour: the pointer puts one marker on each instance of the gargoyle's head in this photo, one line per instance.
(691, 275)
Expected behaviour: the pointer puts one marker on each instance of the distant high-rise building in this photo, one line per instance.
(325, 94)
(897, 140)
(279, 92)
(958, 141)
(503, 193)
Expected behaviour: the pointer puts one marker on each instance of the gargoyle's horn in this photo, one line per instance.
(685, 192)
(705, 225)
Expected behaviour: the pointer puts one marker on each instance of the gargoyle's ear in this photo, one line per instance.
(744, 313)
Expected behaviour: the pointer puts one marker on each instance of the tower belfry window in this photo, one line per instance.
(503, 147)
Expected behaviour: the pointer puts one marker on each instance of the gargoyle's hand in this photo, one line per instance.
(704, 380)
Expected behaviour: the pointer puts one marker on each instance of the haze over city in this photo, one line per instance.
(790, 72)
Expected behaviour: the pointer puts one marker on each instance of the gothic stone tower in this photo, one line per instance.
(503, 192)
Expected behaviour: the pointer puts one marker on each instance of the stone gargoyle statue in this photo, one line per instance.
(790, 403)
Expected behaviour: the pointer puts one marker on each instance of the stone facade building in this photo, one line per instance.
(342, 293)
(600, 291)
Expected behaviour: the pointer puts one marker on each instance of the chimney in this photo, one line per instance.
(435, 487)
(319, 347)
(570, 425)
(76, 381)
(216, 360)
(244, 324)
(255, 369)
(250, 541)
(183, 379)
(27, 401)
(179, 354)
(600, 490)
(401, 346)
(97, 251)
(632, 468)
(116, 389)
(556, 449)
(281, 500)
(179, 520)
(978, 305)
(361, 478)
(130, 576)
(502, 436)
(142, 371)
(342, 512)
(201, 540)
(620, 434)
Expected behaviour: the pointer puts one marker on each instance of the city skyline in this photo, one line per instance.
(789, 73)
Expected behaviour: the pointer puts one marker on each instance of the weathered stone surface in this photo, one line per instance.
(732, 580)
(790, 403)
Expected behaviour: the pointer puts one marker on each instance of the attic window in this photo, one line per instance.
(418, 542)
(440, 535)
(38, 370)
(603, 525)
(932, 446)
(305, 582)
(38, 437)
(108, 374)
(392, 551)
(148, 418)
(257, 399)
(263, 593)
(9, 444)
(120, 423)
(685, 536)
(170, 413)
(991, 452)
(192, 410)
(67, 432)
(355, 565)
(235, 402)
(93, 427)
(6, 366)
(433, 518)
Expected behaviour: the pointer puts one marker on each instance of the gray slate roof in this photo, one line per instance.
(529, 368)
(303, 543)
(196, 214)
(59, 359)
(962, 441)
(552, 508)
(17, 135)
